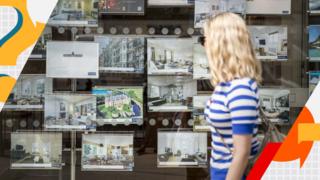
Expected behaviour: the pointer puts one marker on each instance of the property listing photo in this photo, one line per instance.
(170, 2)
(121, 54)
(199, 121)
(170, 56)
(72, 59)
(70, 112)
(207, 8)
(182, 149)
(121, 7)
(28, 93)
(268, 7)
(275, 104)
(314, 6)
(314, 78)
(270, 42)
(119, 105)
(107, 152)
(75, 13)
(36, 150)
(201, 68)
(39, 51)
(314, 42)
(171, 93)
(200, 101)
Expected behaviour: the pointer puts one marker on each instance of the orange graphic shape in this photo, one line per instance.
(24, 38)
(6, 85)
(309, 132)
(291, 149)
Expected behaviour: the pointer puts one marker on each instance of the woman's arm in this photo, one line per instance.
(243, 105)
(241, 153)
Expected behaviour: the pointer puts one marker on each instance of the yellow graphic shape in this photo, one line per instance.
(6, 85)
(308, 132)
(24, 38)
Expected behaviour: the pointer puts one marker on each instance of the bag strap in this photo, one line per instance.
(223, 140)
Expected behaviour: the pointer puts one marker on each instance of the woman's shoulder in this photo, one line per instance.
(243, 83)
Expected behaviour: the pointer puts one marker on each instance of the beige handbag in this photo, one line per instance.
(271, 135)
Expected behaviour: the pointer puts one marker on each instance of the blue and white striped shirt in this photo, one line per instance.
(232, 109)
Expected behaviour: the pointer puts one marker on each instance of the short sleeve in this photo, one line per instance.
(243, 105)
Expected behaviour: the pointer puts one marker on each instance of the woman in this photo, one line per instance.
(232, 110)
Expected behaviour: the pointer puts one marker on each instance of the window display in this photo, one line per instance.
(72, 59)
(207, 8)
(119, 104)
(115, 75)
(107, 152)
(70, 111)
(314, 79)
(39, 50)
(314, 6)
(75, 13)
(171, 93)
(266, 7)
(36, 150)
(121, 54)
(121, 7)
(270, 42)
(170, 56)
(201, 68)
(170, 2)
(314, 42)
(275, 103)
(180, 149)
(28, 93)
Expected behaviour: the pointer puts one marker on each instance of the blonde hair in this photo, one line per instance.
(229, 49)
